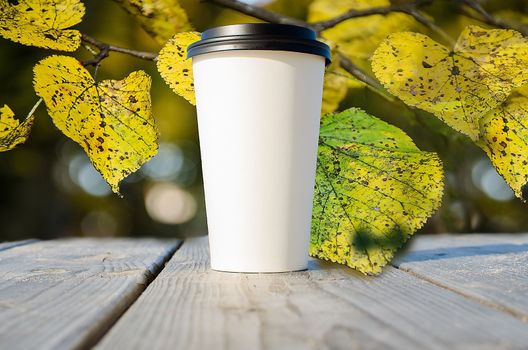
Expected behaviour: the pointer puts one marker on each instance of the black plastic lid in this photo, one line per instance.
(259, 36)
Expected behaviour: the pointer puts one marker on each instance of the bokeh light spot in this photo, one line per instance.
(166, 164)
(486, 178)
(167, 203)
(86, 177)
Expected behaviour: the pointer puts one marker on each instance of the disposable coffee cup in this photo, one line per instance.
(258, 97)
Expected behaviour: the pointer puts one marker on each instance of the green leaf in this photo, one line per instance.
(42, 23)
(111, 120)
(160, 18)
(374, 189)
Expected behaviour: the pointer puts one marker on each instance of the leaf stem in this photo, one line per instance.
(34, 108)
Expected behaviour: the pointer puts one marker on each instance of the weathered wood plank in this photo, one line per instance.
(492, 269)
(64, 294)
(9, 245)
(189, 306)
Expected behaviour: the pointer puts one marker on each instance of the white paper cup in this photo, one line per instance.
(258, 105)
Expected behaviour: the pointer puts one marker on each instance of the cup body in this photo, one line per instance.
(258, 121)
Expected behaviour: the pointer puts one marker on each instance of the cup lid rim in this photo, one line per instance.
(259, 36)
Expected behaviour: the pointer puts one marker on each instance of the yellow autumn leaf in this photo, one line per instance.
(504, 137)
(160, 18)
(374, 189)
(458, 86)
(358, 37)
(337, 82)
(42, 23)
(111, 120)
(522, 90)
(12, 131)
(174, 66)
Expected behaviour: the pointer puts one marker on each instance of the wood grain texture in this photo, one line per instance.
(188, 306)
(492, 269)
(64, 294)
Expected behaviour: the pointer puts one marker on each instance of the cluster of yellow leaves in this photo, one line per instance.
(111, 120)
(174, 66)
(160, 18)
(374, 189)
(466, 88)
(42, 23)
(12, 131)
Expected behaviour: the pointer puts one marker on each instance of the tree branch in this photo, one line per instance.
(259, 12)
(488, 18)
(104, 50)
(349, 66)
(329, 23)
(410, 9)
(272, 17)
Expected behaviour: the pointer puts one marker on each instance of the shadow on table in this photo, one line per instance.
(457, 252)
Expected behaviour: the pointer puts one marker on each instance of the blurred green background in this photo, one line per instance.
(49, 188)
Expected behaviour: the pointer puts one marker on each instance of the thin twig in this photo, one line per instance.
(410, 9)
(419, 17)
(332, 22)
(357, 72)
(260, 12)
(105, 48)
(349, 66)
(103, 53)
(488, 18)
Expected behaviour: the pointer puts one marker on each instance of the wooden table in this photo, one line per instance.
(445, 292)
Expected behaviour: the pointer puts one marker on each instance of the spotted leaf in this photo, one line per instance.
(374, 189)
(160, 18)
(458, 86)
(504, 137)
(111, 120)
(12, 131)
(42, 23)
(174, 66)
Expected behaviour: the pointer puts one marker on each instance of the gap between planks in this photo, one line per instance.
(94, 340)
(189, 306)
(67, 294)
(9, 245)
